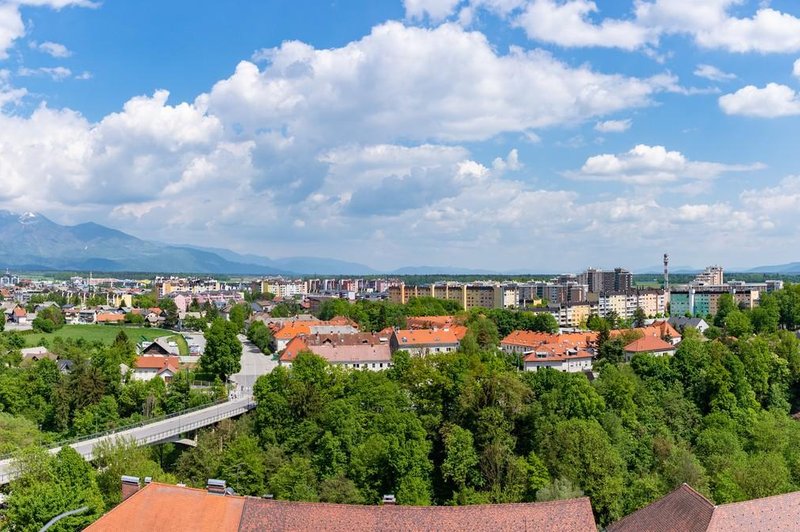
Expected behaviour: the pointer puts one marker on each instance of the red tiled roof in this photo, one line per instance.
(555, 516)
(649, 344)
(164, 507)
(683, 510)
(20, 312)
(156, 362)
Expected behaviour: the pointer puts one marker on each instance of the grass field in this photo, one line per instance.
(106, 334)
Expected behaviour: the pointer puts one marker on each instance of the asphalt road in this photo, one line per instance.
(254, 364)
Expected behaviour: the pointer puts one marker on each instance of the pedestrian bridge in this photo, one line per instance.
(159, 430)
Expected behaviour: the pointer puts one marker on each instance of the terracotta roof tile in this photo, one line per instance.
(683, 510)
(156, 362)
(556, 516)
(648, 344)
(780, 512)
(164, 507)
(408, 337)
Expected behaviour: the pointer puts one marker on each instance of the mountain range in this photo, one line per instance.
(31, 241)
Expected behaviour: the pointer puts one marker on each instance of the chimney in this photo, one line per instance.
(389, 500)
(216, 486)
(130, 485)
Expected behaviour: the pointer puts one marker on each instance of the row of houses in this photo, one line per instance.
(340, 342)
(575, 352)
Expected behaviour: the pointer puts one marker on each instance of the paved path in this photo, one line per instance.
(156, 432)
(254, 364)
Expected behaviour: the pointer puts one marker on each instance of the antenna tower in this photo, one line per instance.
(666, 272)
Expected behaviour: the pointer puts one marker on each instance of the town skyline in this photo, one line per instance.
(451, 133)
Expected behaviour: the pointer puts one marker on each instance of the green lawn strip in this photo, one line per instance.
(183, 346)
(103, 333)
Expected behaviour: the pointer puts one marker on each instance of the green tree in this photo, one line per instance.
(460, 464)
(639, 317)
(238, 315)
(243, 467)
(170, 310)
(261, 336)
(223, 353)
(50, 485)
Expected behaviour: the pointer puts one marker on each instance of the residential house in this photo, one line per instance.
(649, 344)
(158, 506)
(159, 346)
(64, 365)
(146, 368)
(86, 316)
(682, 322)
(19, 315)
(520, 342)
(568, 352)
(359, 350)
(566, 360)
(34, 354)
(110, 318)
(283, 335)
(421, 342)
(373, 357)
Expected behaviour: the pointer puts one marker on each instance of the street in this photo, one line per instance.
(254, 364)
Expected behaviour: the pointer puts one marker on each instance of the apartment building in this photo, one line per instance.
(473, 295)
(597, 281)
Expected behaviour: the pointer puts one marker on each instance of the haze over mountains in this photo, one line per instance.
(31, 241)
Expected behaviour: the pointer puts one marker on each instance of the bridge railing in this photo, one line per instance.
(111, 432)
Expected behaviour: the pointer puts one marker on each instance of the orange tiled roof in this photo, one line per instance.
(163, 507)
(533, 339)
(292, 329)
(293, 348)
(407, 337)
(110, 317)
(647, 344)
(20, 312)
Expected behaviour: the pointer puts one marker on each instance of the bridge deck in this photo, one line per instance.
(155, 432)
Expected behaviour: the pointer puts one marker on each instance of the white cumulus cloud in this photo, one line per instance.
(713, 73)
(568, 24)
(443, 83)
(613, 126)
(643, 165)
(772, 101)
(53, 49)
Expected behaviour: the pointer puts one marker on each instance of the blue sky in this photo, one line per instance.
(506, 134)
